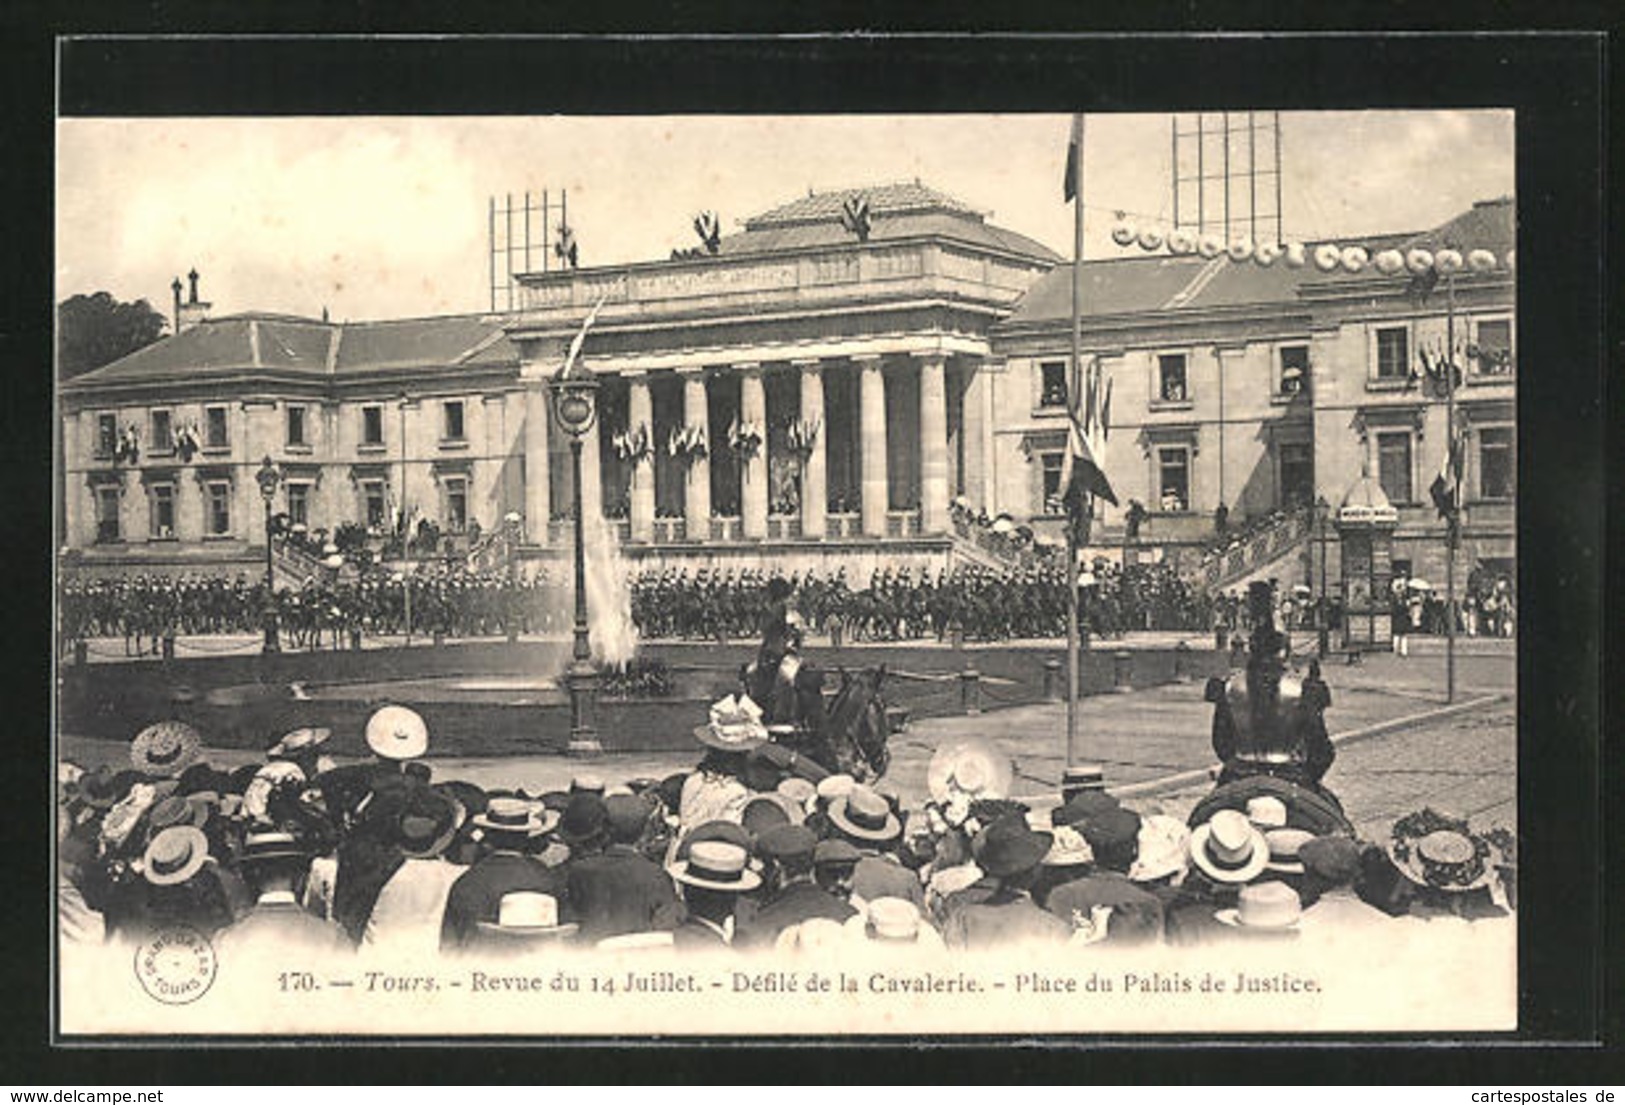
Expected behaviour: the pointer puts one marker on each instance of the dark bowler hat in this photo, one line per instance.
(1082, 806)
(1333, 859)
(429, 818)
(762, 813)
(585, 818)
(787, 841)
(831, 853)
(1112, 829)
(1010, 846)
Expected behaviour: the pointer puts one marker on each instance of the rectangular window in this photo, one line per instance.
(163, 435)
(299, 504)
(215, 434)
(1052, 466)
(1497, 464)
(1494, 347)
(457, 505)
(372, 425)
(106, 435)
(372, 495)
(1394, 466)
(1297, 474)
(1052, 384)
(296, 426)
(1393, 353)
(1171, 384)
(1294, 378)
(454, 420)
(163, 510)
(218, 494)
(1174, 479)
(107, 528)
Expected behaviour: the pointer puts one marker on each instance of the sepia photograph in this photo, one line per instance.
(786, 575)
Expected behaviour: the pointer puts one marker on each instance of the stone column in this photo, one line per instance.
(753, 486)
(814, 481)
(872, 444)
(933, 443)
(640, 412)
(538, 424)
(697, 480)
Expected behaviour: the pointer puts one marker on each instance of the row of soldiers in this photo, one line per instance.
(900, 605)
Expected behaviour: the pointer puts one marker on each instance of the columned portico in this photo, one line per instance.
(538, 421)
(640, 415)
(753, 486)
(814, 486)
(872, 434)
(697, 488)
(933, 442)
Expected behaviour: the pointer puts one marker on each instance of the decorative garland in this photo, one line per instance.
(632, 444)
(1325, 256)
(802, 436)
(745, 438)
(687, 442)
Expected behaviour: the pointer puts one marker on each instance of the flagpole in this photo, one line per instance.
(1452, 526)
(1072, 634)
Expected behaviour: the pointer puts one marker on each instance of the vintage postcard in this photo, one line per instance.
(761, 575)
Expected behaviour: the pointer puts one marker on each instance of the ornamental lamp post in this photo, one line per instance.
(512, 525)
(268, 477)
(1323, 511)
(575, 392)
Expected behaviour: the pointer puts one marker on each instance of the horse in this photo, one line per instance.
(849, 735)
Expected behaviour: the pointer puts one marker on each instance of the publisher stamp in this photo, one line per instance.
(177, 966)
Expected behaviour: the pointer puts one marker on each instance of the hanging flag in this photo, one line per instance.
(1446, 487)
(581, 335)
(1083, 471)
(1074, 149)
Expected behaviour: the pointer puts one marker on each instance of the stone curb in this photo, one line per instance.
(1182, 779)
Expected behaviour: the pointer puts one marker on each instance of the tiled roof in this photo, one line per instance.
(884, 199)
(1130, 285)
(239, 343)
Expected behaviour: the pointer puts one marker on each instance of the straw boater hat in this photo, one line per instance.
(515, 816)
(865, 815)
(271, 845)
(175, 855)
(397, 733)
(165, 749)
(972, 768)
(1083, 777)
(1267, 812)
(1229, 848)
(298, 741)
(735, 725)
(798, 791)
(716, 865)
(1450, 860)
(831, 787)
(524, 917)
(1268, 906)
(1284, 845)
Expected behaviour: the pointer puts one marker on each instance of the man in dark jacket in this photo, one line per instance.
(615, 889)
(510, 826)
(789, 850)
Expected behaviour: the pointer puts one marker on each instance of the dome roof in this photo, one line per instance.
(1366, 503)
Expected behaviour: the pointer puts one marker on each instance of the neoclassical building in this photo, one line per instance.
(813, 393)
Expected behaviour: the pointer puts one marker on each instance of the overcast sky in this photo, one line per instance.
(387, 217)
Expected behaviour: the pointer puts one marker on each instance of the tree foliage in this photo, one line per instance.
(94, 330)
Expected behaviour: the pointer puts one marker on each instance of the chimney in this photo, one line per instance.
(194, 310)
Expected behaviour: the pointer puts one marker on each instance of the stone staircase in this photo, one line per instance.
(1277, 550)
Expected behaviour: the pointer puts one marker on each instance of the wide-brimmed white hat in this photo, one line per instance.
(735, 725)
(1270, 906)
(397, 733)
(1229, 848)
(971, 767)
(1446, 859)
(298, 740)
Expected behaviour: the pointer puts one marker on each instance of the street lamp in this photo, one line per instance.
(512, 527)
(268, 477)
(1323, 511)
(575, 391)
